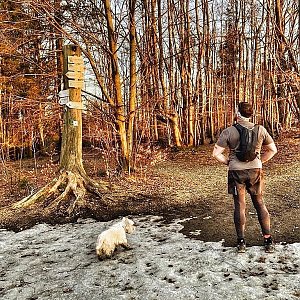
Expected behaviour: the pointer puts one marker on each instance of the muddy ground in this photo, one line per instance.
(178, 184)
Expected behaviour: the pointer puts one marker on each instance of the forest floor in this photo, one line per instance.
(179, 184)
(183, 244)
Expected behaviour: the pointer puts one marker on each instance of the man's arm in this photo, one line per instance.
(271, 150)
(217, 154)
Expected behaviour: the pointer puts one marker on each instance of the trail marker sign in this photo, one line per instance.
(72, 59)
(74, 75)
(75, 105)
(75, 71)
(64, 93)
(77, 84)
(76, 67)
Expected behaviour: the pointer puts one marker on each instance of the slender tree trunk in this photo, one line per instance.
(168, 110)
(58, 44)
(119, 105)
(281, 61)
(190, 102)
(133, 79)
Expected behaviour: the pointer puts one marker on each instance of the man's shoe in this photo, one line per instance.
(269, 245)
(241, 245)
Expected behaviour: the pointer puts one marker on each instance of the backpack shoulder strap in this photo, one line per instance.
(238, 127)
(256, 128)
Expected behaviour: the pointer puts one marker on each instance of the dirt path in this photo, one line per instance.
(212, 208)
(192, 184)
(172, 256)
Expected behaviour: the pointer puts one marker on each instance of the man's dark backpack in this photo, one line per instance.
(248, 140)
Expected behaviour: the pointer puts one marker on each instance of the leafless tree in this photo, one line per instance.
(161, 70)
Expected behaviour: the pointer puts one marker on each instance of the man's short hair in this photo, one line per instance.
(245, 109)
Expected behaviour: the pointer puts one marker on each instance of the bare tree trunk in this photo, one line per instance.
(58, 43)
(71, 151)
(208, 71)
(199, 80)
(119, 105)
(281, 61)
(133, 79)
(168, 110)
(69, 189)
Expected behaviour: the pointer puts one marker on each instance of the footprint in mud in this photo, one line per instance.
(287, 265)
(127, 287)
(272, 286)
(169, 279)
(159, 238)
(151, 269)
(125, 259)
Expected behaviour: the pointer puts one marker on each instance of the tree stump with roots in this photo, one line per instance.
(65, 195)
(68, 190)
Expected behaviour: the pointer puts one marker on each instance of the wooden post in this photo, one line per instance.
(71, 185)
(71, 149)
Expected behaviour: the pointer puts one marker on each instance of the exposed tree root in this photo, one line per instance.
(68, 190)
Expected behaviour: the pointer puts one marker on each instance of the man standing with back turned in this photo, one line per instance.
(246, 175)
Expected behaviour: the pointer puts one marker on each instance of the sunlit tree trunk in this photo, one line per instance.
(168, 109)
(71, 150)
(119, 105)
(68, 190)
(133, 79)
(280, 49)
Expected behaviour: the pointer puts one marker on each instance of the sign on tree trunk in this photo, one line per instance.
(66, 193)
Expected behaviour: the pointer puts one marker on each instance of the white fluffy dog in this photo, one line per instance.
(113, 237)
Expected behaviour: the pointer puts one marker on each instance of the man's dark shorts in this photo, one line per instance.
(252, 180)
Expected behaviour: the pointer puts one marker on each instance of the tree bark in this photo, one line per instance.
(133, 79)
(119, 105)
(281, 61)
(68, 191)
